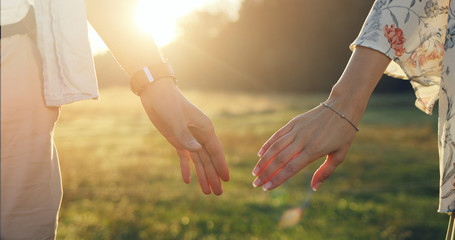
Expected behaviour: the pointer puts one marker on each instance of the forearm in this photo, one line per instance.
(115, 23)
(320, 132)
(351, 93)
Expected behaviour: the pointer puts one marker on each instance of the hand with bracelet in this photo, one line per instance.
(190, 131)
(326, 130)
(183, 125)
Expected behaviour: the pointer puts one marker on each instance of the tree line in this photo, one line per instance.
(275, 45)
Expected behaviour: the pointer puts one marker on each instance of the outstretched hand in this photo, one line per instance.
(321, 131)
(306, 138)
(190, 131)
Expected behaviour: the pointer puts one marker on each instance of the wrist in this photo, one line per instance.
(358, 97)
(150, 75)
(350, 102)
(351, 93)
(165, 85)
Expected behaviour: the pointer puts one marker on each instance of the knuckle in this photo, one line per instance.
(206, 122)
(276, 146)
(261, 164)
(276, 180)
(325, 175)
(265, 175)
(280, 160)
(216, 152)
(207, 128)
(291, 169)
(296, 118)
(305, 154)
(206, 161)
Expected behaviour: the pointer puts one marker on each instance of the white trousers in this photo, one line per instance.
(31, 189)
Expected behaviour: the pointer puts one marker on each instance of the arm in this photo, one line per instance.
(321, 132)
(184, 126)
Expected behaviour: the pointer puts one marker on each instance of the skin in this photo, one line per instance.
(184, 126)
(321, 132)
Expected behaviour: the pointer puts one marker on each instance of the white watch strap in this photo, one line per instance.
(148, 74)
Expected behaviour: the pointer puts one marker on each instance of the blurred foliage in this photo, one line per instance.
(275, 45)
(122, 179)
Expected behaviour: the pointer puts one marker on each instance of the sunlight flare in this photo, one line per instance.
(157, 18)
(160, 18)
(290, 217)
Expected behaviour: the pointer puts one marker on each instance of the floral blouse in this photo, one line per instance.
(419, 36)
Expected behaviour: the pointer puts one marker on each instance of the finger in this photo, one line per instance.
(165, 110)
(326, 169)
(212, 176)
(184, 157)
(185, 138)
(293, 167)
(215, 150)
(273, 151)
(200, 173)
(277, 163)
(277, 135)
(205, 134)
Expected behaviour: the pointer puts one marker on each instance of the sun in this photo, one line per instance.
(159, 19)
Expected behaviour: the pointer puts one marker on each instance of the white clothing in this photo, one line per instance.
(62, 36)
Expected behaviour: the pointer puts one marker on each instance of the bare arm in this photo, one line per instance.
(115, 22)
(321, 132)
(188, 129)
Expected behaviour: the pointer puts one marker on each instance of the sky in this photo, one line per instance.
(160, 18)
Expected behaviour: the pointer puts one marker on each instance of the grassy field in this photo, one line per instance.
(122, 180)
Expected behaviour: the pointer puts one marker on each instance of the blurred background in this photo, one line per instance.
(252, 45)
(251, 65)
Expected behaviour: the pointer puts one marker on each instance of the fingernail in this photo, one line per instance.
(316, 186)
(267, 186)
(255, 171)
(257, 182)
(260, 153)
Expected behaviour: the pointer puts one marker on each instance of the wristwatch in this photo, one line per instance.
(151, 74)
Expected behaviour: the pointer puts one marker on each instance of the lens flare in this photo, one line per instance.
(291, 217)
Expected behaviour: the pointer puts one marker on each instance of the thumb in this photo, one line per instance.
(186, 140)
(326, 169)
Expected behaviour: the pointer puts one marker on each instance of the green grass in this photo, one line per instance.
(122, 180)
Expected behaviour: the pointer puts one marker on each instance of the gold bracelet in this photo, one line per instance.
(342, 115)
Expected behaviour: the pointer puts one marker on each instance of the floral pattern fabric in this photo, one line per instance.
(419, 36)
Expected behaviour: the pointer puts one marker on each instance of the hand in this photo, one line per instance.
(191, 133)
(321, 131)
(307, 137)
